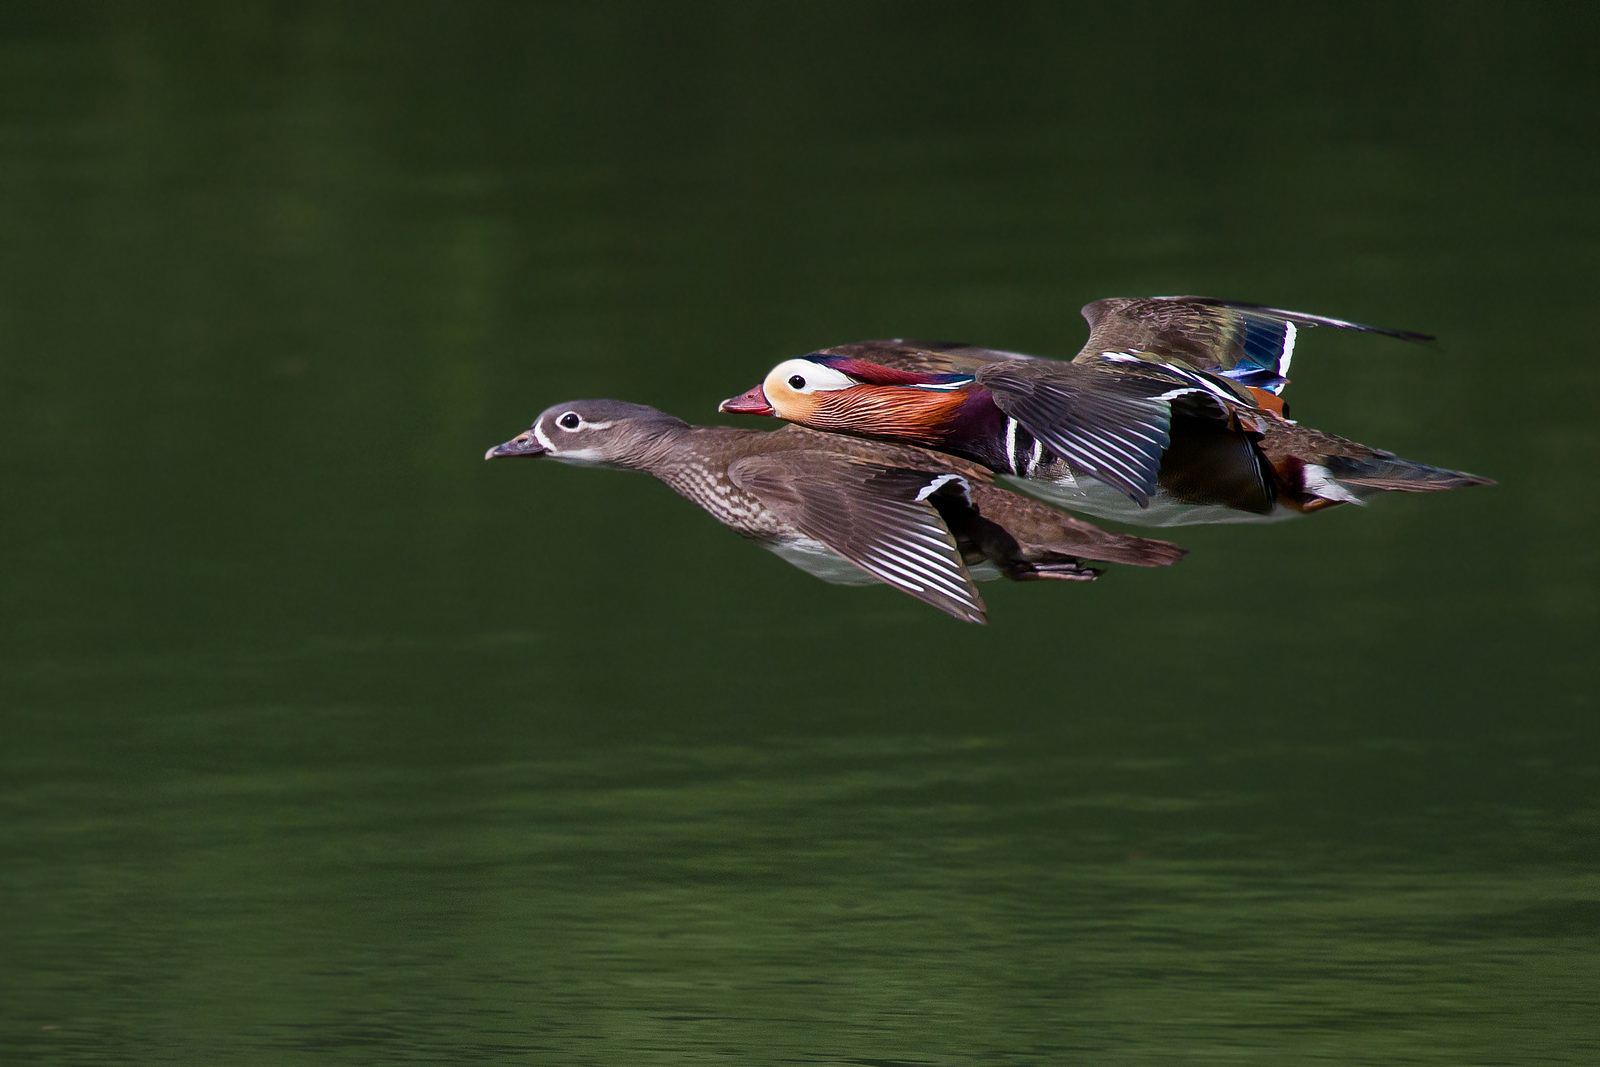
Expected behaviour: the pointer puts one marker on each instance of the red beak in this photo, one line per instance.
(753, 402)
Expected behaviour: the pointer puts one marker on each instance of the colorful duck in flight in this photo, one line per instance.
(1171, 414)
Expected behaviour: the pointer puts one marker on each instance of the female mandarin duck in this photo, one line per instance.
(845, 510)
(1169, 415)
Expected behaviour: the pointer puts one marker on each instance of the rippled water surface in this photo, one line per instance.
(324, 741)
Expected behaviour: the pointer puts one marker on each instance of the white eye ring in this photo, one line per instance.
(569, 420)
(814, 377)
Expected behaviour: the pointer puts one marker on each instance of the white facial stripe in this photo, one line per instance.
(817, 377)
(539, 435)
(550, 447)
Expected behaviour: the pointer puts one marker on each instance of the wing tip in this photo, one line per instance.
(1304, 318)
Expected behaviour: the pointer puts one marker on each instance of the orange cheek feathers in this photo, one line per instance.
(790, 405)
(896, 412)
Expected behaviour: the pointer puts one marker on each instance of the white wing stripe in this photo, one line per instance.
(1097, 456)
(924, 569)
(921, 581)
(1117, 445)
(937, 484)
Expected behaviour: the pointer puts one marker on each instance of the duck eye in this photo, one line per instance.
(797, 381)
(569, 421)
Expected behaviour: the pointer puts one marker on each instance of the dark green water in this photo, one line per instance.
(325, 741)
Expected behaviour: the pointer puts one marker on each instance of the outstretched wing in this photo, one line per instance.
(1111, 427)
(1249, 343)
(922, 357)
(878, 517)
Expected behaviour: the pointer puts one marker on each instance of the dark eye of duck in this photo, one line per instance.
(797, 381)
(569, 421)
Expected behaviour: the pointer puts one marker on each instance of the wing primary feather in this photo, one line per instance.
(880, 518)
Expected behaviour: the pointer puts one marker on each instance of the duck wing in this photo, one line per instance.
(1250, 343)
(879, 517)
(923, 357)
(1111, 426)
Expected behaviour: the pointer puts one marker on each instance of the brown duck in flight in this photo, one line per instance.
(845, 510)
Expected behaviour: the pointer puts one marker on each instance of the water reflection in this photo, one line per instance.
(325, 736)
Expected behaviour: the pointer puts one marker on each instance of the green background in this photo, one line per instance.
(324, 741)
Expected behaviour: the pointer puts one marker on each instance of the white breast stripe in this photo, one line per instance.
(1011, 443)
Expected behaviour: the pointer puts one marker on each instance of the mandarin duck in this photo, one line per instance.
(1170, 415)
(845, 510)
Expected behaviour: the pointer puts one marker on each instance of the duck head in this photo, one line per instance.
(602, 433)
(854, 396)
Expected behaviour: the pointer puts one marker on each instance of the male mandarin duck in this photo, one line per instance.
(846, 510)
(1170, 414)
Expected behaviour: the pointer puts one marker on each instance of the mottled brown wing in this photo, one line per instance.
(878, 517)
(1110, 427)
(1249, 342)
(923, 357)
(886, 453)
(1044, 534)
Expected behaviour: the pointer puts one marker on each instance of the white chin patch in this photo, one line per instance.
(584, 457)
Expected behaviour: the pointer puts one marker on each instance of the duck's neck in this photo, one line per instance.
(662, 448)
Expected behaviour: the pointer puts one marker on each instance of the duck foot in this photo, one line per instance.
(1060, 572)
